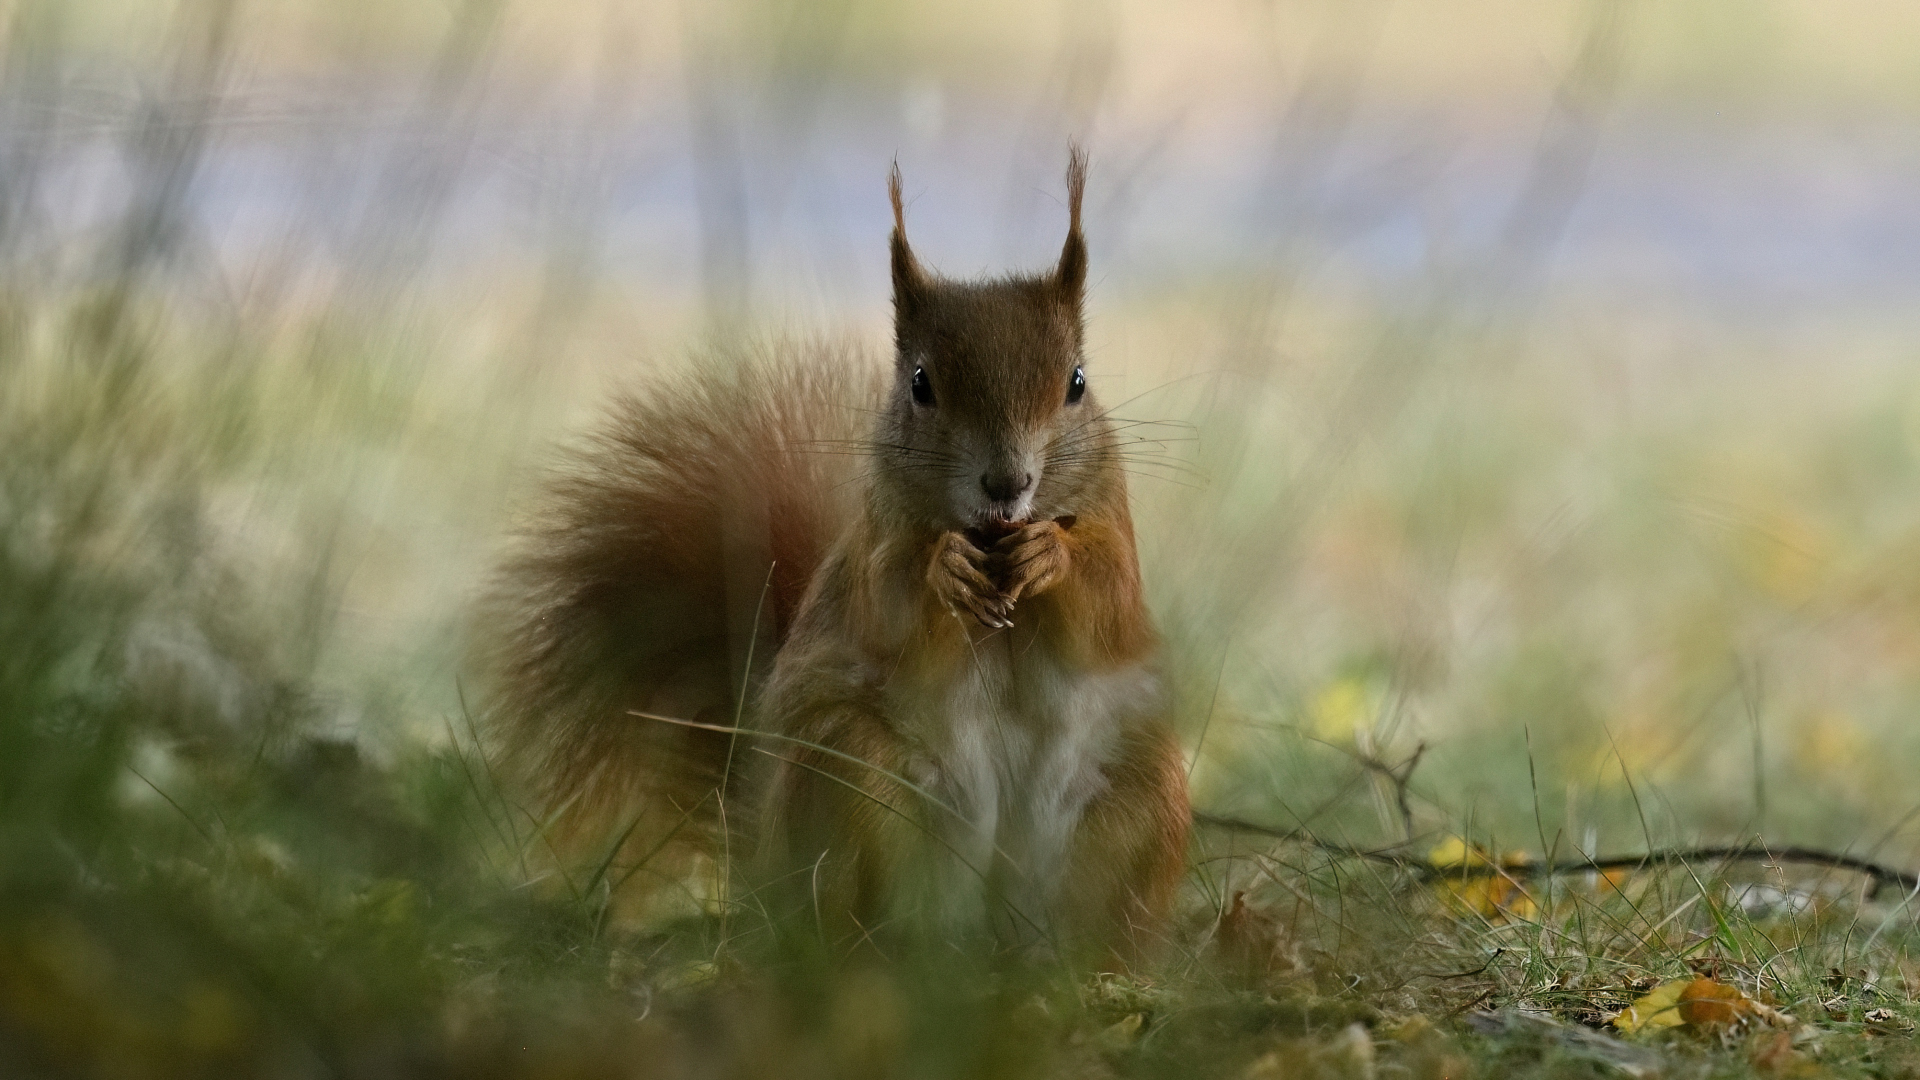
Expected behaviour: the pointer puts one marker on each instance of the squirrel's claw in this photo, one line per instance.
(1033, 560)
(957, 575)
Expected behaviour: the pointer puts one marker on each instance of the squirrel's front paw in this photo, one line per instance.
(1034, 559)
(958, 578)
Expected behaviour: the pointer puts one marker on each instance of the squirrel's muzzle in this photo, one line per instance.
(1006, 485)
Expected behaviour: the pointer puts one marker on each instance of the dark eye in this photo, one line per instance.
(1077, 389)
(922, 387)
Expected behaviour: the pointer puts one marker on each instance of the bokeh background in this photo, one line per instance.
(1538, 381)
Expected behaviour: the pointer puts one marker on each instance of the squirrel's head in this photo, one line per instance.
(990, 421)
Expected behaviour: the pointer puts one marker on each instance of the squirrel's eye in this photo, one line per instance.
(922, 387)
(1077, 389)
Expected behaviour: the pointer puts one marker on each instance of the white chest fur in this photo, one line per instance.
(1015, 748)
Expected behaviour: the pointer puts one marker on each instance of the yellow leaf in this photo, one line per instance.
(1510, 899)
(1657, 1008)
(1342, 709)
(1453, 851)
(1831, 743)
(1494, 895)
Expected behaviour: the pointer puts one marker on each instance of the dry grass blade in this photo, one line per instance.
(931, 834)
(929, 797)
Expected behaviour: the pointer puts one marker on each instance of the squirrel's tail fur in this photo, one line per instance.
(659, 575)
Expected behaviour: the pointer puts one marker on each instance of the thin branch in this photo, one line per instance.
(1882, 875)
(1399, 776)
(191, 820)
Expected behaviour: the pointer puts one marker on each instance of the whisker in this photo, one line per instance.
(872, 444)
(1143, 460)
(1146, 450)
(1126, 421)
(884, 467)
(1189, 485)
(842, 453)
(1156, 389)
(1094, 430)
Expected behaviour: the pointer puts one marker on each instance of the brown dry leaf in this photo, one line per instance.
(1614, 880)
(1253, 945)
(1887, 1022)
(1705, 1003)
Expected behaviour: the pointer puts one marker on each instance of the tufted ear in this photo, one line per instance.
(909, 282)
(1070, 277)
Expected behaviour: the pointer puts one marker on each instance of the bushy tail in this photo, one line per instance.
(659, 575)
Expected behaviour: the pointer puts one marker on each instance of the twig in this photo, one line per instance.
(197, 827)
(1399, 776)
(1881, 874)
(1497, 953)
(1303, 836)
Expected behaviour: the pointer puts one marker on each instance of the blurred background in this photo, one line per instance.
(1539, 383)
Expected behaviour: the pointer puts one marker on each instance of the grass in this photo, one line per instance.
(1448, 586)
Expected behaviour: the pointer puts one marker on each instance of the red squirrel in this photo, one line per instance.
(963, 736)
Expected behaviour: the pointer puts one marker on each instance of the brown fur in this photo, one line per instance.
(960, 628)
(636, 586)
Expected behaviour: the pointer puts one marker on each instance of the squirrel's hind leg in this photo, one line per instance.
(1129, 854)
(840, 829)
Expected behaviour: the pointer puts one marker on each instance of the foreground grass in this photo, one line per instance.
(313, 913)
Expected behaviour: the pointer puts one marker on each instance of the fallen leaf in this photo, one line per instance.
(1453, 851)
(1488, 890)
(1706, 1003)
(1657, 1008)
(1699, 1002)
(1343, 709)
(1887, 1022)
(1252, 945)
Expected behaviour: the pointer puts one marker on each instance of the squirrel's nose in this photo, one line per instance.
(1005, 486)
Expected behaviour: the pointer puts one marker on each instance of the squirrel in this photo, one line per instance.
(962, 735)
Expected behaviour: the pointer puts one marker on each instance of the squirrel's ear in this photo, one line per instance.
(1070, 277)
(909, 283)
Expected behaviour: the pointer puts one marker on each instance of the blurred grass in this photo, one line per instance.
(1638, 574)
